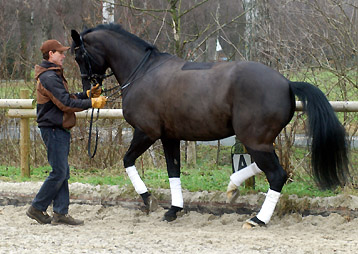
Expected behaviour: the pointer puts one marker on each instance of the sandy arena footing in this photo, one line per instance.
(114, 223)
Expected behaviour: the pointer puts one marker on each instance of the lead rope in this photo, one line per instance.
(91, 155)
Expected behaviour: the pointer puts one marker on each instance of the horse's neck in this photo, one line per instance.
(124, 63)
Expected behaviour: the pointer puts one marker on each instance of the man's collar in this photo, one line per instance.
(48, 64)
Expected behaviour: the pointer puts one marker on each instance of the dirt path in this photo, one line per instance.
(116, 229)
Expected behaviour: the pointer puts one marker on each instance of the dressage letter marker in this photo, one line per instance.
(240, 161)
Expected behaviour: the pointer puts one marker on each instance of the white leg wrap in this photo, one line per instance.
(175, 189)
(240, 176)
(268, 206)
(137, 182)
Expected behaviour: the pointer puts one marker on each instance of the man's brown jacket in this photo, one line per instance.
(55, 105)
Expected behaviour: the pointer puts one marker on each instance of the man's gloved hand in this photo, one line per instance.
(99, 102)
(95, 91)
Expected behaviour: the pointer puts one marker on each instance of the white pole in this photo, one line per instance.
(103, 113)
(338, 106)
(17, 103)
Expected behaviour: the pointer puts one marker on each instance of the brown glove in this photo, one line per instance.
(95, 91)
(99, 102)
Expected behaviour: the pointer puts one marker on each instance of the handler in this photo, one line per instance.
(55, 118)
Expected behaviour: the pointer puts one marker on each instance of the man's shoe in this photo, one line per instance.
(40, 216)
(65, 219)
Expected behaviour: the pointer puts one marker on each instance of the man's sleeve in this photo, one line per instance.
(55, 90)
(81, 96)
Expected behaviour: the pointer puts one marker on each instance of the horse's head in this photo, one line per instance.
(90, 60)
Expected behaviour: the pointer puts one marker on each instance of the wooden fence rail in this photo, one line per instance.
(24, 109)
(338, 106)
(17, 103)
(102, 113)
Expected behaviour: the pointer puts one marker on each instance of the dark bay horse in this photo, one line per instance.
(167, 98)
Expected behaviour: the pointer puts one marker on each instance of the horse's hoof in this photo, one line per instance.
(172, 213)
(150, 203)
(232, 196)
(247, 225)
(253, 223)
(170, 218)
(232, 193)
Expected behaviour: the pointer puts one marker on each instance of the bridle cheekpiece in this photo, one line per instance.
(93, 78)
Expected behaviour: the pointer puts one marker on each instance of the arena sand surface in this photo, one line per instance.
(116, 229)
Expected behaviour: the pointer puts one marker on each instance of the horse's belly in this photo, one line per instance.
(198, 129)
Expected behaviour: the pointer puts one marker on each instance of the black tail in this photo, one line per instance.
(329, 146)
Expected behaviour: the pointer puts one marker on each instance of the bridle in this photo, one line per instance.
(95, 79)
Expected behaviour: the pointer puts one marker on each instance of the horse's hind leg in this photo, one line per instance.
(140, 143)
(237, 178)
(172, 156)
(276, 176)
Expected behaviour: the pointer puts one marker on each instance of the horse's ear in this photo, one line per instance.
(76, 37)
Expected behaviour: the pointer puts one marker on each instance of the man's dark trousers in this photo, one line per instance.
(55, 187)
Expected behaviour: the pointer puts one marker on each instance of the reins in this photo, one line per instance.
(92, 78)
(90, 136)
(119, 89)
(130, 79)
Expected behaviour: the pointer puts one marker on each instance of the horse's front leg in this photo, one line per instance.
(140, 143)
(172, 156)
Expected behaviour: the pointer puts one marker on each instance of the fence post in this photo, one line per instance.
(191, 153)
(25, 139)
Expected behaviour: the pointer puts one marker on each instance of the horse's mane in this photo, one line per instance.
(118, 29)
